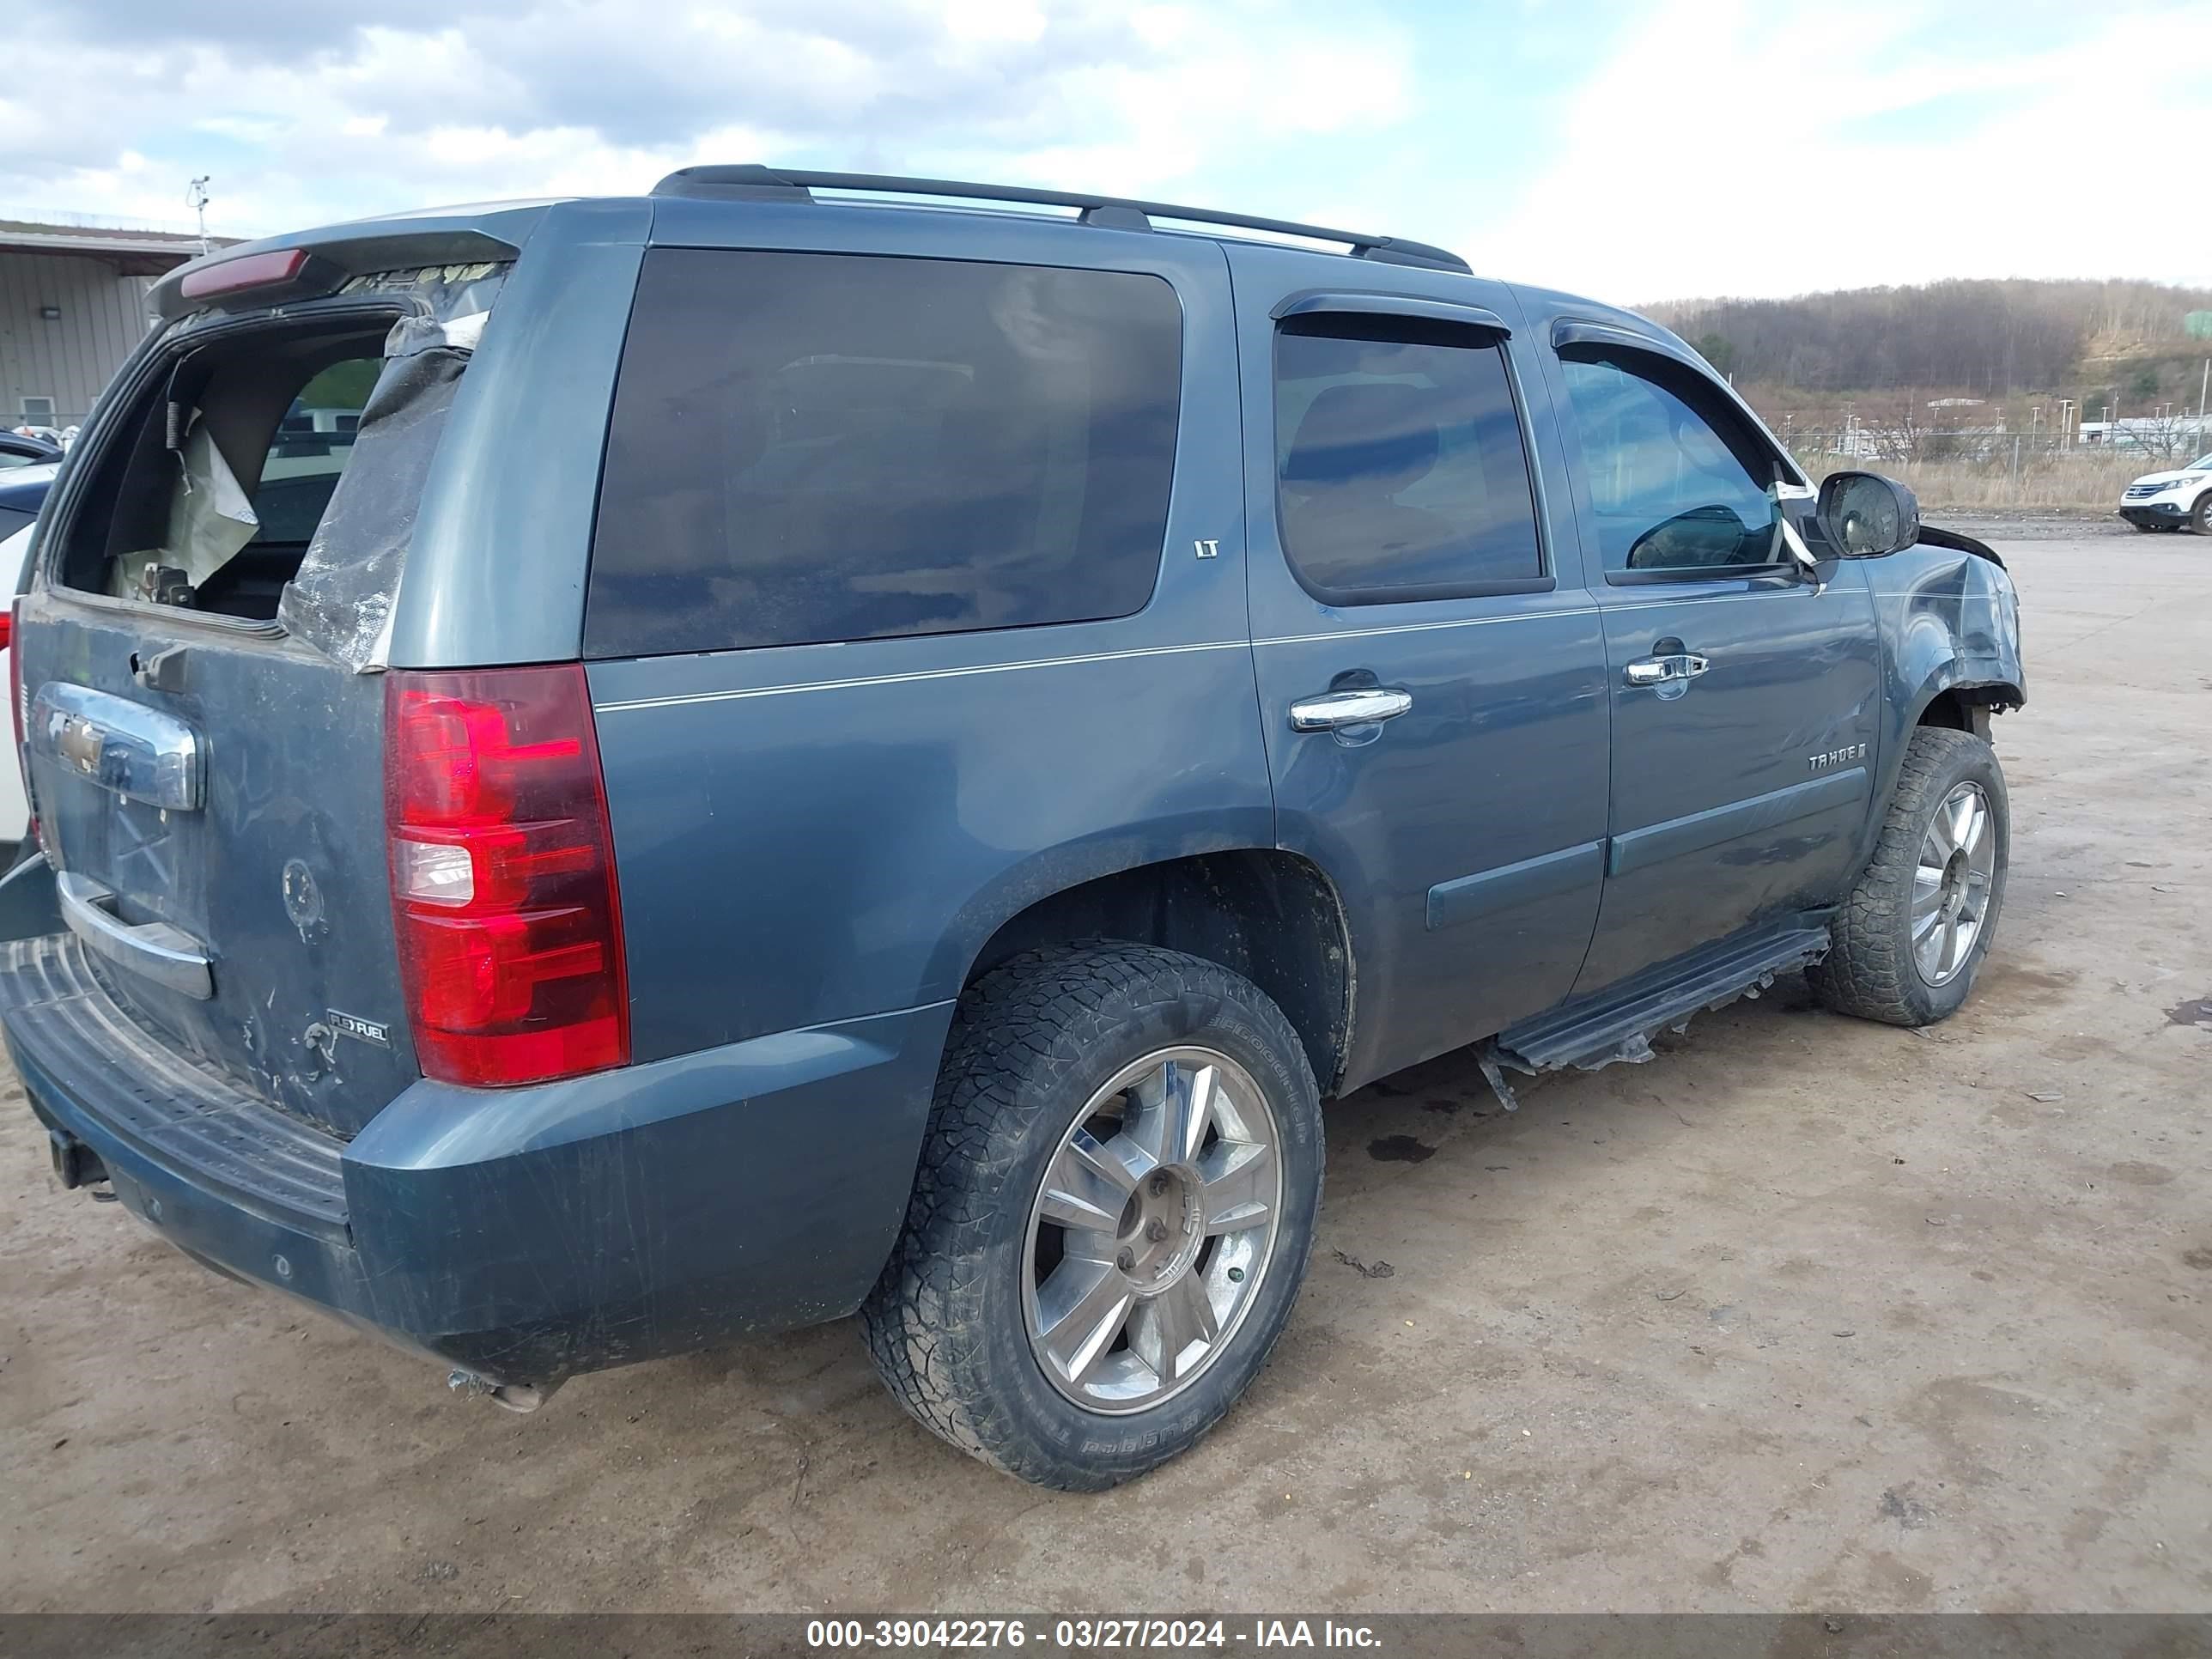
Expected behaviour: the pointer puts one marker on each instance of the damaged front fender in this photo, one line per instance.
(1949, 621)
(1960, 629)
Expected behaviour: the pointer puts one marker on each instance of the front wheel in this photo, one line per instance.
(2200, 516)
(1907, 942)
(1112, 1218)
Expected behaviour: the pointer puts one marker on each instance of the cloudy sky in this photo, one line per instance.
(1636, 150)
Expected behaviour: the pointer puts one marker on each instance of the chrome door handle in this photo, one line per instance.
(1335, 709)
(168, 955)
(1658, 670)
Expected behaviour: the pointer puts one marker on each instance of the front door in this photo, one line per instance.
(1744, 695)
(1429, 671)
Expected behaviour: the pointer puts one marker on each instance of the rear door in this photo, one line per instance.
(1744, 695)
(1429, 661)
(207, 779)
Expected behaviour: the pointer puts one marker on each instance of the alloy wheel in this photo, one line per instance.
(1151, 1230)
(1951, 887)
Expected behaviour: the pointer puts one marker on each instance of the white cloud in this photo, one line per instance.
(994, 20)
(1711, 146)
(1718, 150)
(310, 121)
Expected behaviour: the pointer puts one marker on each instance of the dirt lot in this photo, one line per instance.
(1805, 1314)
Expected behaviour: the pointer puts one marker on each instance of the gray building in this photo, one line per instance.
(72, 304)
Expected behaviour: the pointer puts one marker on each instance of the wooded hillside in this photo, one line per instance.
(2088, 340)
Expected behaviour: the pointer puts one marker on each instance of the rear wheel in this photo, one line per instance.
(1112, 1218)
(1908, 942)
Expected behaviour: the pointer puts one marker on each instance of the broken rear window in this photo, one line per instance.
(273, 472)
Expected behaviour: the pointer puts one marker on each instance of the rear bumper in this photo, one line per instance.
(526, 1235)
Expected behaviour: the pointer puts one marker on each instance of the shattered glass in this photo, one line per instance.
(341, 600)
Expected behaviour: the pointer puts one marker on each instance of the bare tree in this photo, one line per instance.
(2166, 440)
(1901, 434)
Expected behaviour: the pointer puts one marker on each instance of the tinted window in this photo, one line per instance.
(1670, 491)
(1401, 469)
(813, 447)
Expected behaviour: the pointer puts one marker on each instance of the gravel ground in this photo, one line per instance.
(2036, 524)
(1804, 1314)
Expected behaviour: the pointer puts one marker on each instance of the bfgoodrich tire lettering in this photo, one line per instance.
(1033, 1043)
(1939, 864)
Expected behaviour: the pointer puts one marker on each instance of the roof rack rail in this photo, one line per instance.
(758, 183)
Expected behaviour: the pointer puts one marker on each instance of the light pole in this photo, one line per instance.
(197, 199)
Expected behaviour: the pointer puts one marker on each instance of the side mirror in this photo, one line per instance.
(1865, 515)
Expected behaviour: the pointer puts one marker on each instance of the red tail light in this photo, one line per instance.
(503, 875)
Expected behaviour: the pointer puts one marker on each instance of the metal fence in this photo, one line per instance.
(2150, 446)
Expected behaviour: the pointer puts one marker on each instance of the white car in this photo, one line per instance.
(2167, 501)
(14, 805)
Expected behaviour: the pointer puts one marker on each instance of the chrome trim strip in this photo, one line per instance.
(624, 704)
(140, 753)
(741, 694)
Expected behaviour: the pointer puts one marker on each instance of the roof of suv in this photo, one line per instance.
(495, 230)
(754, 182)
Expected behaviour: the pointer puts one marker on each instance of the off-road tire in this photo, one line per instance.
(1031, 1042)
(1870, 969)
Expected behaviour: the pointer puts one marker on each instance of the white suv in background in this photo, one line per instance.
(2167, 501)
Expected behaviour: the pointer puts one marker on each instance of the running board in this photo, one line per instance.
(1619, 1022)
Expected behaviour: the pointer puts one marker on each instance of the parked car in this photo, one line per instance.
(828, 755)
(20, 449)
(2167, 501)
(23, 492)
(15, 804)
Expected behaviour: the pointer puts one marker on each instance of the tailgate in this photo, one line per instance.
(204, 727)
(219, 850)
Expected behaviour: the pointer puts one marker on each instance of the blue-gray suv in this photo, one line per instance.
(614, 773)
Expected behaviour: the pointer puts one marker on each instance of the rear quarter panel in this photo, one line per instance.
(502, 544)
